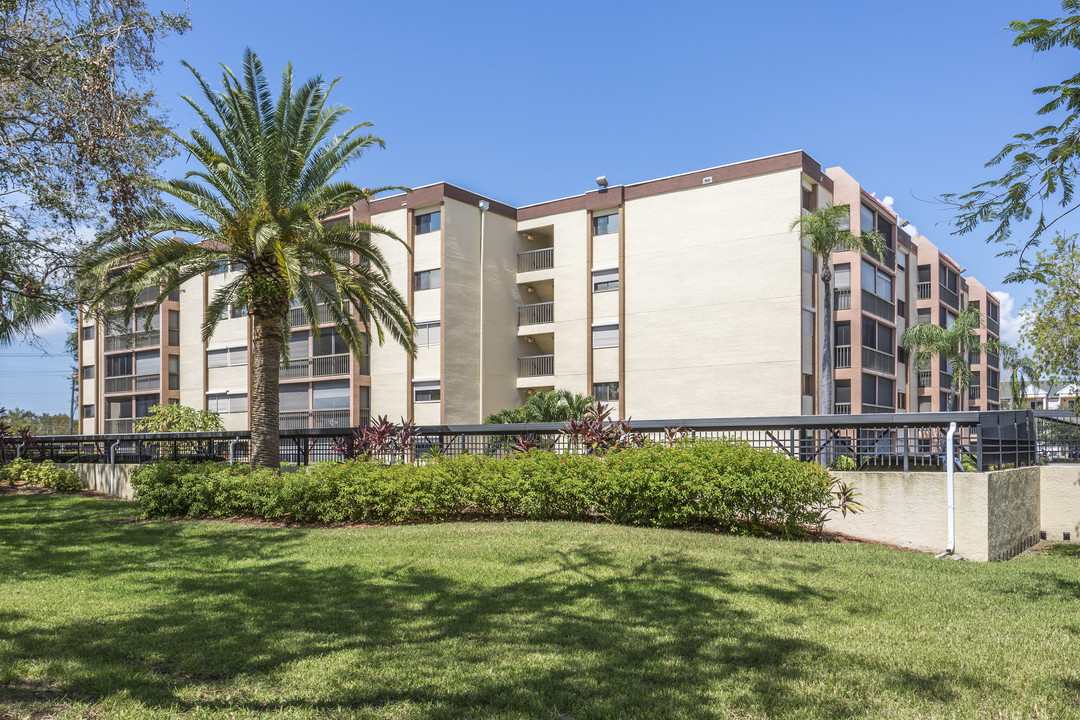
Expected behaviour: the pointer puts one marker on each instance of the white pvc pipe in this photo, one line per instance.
(949, 491)
(112, 468)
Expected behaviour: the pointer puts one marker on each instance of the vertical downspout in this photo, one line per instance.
(484, 206)
(950, 494)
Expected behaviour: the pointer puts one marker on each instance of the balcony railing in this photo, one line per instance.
(305, 419)
(843, 356)
(127, 341)
(842, 299)
(992, 360)
(531, 260)
(992, 325)
(949, 297)
(875, 305)
(134, 383)
(536, 366)
(320, 366)
(924, 378)
(888, 258)
(842, 408)
(992, 394)
(974, 392)
(876, 360)
(123, 425)
(877, 408)
(945, 380)
(148, 295)
(536, 313)
(974, 357)
(297, 318)
(923, 289)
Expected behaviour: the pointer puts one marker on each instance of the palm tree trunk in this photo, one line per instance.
(825, 402)
(265, 426)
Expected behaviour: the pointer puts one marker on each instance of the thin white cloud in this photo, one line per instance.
(1011, 320)
(889, 201)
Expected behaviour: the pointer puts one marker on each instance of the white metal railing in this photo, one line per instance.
(536, 313)
(843, 356)
(842, 408)
(923, 289)
(842, 299)
(305, 419)
(536, 366)
(319, 366)
(531, 260)
(127, 341)
(297, 318)
(133, 383)
(924, 378)
(974, 392)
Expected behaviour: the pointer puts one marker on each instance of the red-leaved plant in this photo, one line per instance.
(382, 440)
(597, 433)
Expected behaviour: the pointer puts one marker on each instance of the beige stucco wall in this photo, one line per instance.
(713, 310)
(192, 360)
(389, 385)
(99, 478)
(997, 514)
(1059, 502)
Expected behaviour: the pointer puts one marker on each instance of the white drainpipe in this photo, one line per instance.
(112, 468)
(950, 493)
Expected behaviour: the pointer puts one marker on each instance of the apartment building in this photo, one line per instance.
(685, 296)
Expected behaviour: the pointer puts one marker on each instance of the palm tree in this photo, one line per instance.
(1022, 372)
(952, 344)
(259, 199)
(552, 406)
(827, 230)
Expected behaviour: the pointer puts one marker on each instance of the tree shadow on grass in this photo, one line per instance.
(574, 630)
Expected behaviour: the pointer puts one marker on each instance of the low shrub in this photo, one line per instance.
(45, 474)
(843, 462)
(721, 484)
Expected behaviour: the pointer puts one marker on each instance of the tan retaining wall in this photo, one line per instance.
(997, 513)
(1059, 502)
(97, 477)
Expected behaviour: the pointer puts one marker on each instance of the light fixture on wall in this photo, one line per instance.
(602, 181)
(529, 288)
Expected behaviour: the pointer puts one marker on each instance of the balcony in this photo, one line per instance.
(842, 408)
(875, 305)
(842, 299)
(924, 378)
(297, 318)
(945, 380)
(536, 366)
(949, 297)
(993, 360)
(974, 357)
(888, 258)
(313, 419)
(536, 313)
(923, 290)
(128, 341)
(992, 394)
(974, 392)
(133, 383)
(992, 325)
(321, 366)
(533, 260)
(876, 360)
(843, 356)
(148, 295)
(122, 425)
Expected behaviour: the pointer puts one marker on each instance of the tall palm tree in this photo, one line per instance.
(952, 344)
(828, 230)
(265, 185)
(1022, 372)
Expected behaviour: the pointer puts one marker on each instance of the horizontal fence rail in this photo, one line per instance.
(881, 441)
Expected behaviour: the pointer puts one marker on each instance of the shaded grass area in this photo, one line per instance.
(101, 618)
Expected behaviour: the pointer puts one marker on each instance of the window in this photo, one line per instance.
(428, 222)
(842, 276)
(118, 409)
(974, 304)
(807, 322)
(843, 333)
(605, 280)
(227, 357)
(330, 395)
(174, 327)
(901, 262)
(427, 334)
(298, 345)
(877, 336)
(922, 316)
(292, 398)
(886, 229)
(876, 281)
(426, 279)
(943, 398)
(118, 366)
(992, 379)
(329, 342)
(808, 199)
(605, 336)
(925, 404)
(225, 403)
(901, 308)
(605, 224)
(877, 393)
(843, 392)
(237, 311)
(606, 392)
(807, 384)
(143, 403)
(427, 391)
(993, 310)
(901, 400)
(924, 273)
(87, 411)
(947, 318)
(147, 363)
(88, 372)
(866, 220)
(220, 268)
(88, 333)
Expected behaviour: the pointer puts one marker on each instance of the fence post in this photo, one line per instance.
(980, 457)
(905, 448)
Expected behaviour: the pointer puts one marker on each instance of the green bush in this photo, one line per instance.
(45, 474)
(722, 484)
(843, 462)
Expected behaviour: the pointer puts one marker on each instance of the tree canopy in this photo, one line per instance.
(1052, 316)
(1042, 164)
(79, 130)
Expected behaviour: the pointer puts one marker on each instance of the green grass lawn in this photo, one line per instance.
(105, 619)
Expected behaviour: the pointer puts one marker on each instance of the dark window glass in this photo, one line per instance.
(118, 365)
(426, 279)
(924, 273)
(843, 333)
(843, 391)
(606, 392)
(88, 333)
(605, 224)
(428, 222)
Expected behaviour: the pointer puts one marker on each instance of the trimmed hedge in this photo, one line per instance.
(724, 484)
(46, 474)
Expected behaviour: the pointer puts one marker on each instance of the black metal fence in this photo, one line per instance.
(903, 441)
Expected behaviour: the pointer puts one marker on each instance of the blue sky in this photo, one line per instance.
(526, 102)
